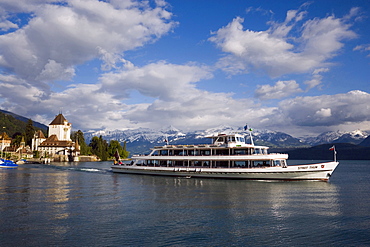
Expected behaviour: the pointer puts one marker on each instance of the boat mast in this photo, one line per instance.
(250, 133)
(334, 152)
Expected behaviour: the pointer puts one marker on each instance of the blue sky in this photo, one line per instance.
(300, 67)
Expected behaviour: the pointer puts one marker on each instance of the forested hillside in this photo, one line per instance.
(13, 126)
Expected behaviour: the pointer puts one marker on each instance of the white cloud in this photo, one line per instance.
(157, 80)
(363, 48)
(316, 79)
(176, 99)
(280, 90)
(5, 25)
(326, 110)
(62, 36)
(279, 51)
(55, 71)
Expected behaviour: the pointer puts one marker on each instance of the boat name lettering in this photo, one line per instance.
(302, 167)
(307, 167)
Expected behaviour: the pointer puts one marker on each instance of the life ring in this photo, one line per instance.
(322, 166)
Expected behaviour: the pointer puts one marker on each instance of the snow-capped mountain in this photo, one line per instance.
(354, 137)
(142, 139)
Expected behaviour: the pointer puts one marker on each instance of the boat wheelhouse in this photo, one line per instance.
(227, 156)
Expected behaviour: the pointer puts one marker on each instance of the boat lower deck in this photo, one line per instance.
(320, 171)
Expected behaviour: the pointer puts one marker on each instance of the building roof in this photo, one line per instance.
(52, 141)
(4, 136)
(59, 120)
(40, 135)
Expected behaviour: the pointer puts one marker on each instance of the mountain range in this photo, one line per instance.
(140, 140)
(350, 145)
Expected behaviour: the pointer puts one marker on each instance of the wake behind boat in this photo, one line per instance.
(229, 156)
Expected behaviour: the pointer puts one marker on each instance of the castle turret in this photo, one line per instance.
(61, 128)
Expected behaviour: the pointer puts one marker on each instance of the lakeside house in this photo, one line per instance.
(5, 141)
(22, 151)
(58, 145)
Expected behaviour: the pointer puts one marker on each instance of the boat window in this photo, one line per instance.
(277, 163)
(205, 152)
(240, 151)
(242, 139)
(240, 164)
(222, 152)
(164, 152)
(260, 163)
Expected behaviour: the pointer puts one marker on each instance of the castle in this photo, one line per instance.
(59, 144)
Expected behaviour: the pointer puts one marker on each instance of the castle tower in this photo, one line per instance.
(61, 128)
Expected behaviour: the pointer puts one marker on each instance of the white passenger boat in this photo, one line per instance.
(229, 156)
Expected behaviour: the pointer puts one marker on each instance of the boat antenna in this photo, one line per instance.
(250, 133)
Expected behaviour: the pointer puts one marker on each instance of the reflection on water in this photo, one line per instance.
(233, 209)
(84, 204)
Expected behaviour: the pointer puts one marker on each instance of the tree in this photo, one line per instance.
(116, 145)
(17, 139)
(29, 132)
(113, 146)
(79, 137)
(99, 147)
(125, 153)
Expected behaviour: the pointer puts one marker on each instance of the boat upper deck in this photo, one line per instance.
(218, 141)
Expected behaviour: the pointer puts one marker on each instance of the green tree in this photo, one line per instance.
(113, 146)
(16, 139)
(125, 153)
(99, 147)
(29, 132)
(79, 136)
(116, 145)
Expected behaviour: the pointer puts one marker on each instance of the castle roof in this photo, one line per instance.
(59, 120)
(52, 141)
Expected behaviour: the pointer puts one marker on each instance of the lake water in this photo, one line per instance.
(85, 204)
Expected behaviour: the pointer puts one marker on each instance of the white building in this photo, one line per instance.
(61, 128)
(5, 141)
(37, 139)
(59, 141)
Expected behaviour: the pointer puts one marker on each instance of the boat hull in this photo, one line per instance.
(9, 166)
(319, 171)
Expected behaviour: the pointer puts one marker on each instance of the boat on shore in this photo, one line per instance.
(228, 156)
(7, 164)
